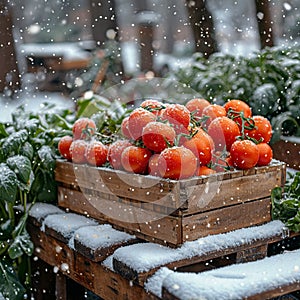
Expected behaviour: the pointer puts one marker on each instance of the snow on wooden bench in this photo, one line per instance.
(85, 235)
(98, 242)
(137, 262)
(63, 226)
(74, 246)
(262, 279)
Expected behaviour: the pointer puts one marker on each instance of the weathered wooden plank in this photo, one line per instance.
(243, 280)
(241, 248)
(119, 183)
(217, 194)
(226, 219)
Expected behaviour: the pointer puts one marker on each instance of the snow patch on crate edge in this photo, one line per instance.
(236, 281)
(146, 256)
(67, 223)
(100, 236)
(41, 210)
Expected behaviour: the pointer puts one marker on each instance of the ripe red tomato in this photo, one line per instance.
(213, 111)
(135, 159)
(138, 119)
(157, 136)
(77, 150)
(124, 128)
(223, 132)
(204, 171)
(262, 130)
(200, 145)
(244, 154)
(196, 106)
(115, 151)
(96, 153)
(265, 154)
(153, 106)
(83, 128)
(177, 163)
(64, 147)
(237, 106)
(153, 168)
(178, 115)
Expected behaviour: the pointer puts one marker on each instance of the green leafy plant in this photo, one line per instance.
(286, 203)
(269, 81)
(27, 160)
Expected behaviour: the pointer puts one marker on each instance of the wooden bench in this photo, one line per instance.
(263, 279)
(115, 265)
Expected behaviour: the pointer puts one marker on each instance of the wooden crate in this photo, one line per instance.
(169, 211)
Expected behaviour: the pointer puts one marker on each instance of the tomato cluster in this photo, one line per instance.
(177, 141)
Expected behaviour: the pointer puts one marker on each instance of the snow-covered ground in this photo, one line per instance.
(31, 98)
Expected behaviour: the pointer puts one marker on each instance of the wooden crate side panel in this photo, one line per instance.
(138, 187)
(226, 219)
(163, 229)
(217, 194)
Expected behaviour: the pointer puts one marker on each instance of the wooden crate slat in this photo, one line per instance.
(144, 188)
(216, 194)
(226, 219)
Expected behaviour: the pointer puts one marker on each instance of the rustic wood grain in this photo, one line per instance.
(92, 275)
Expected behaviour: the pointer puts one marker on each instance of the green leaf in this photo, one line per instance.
(10, 286)
(21, 165)
(13, 142)
(8, 184)
(47, 158)
(21, 244)
(264, 99)
(3, 132)
(27, 150)
(32, 125)
(27, 186)
(44, 187)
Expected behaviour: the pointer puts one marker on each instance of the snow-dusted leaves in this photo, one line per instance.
(8, 184)
(265, 97)
(21, 240)
(47, 159)
(21, 165)
(13, 142)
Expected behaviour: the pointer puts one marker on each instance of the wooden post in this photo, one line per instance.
(264, 22)
(146, 25)
(202, 24)
(9, 72)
